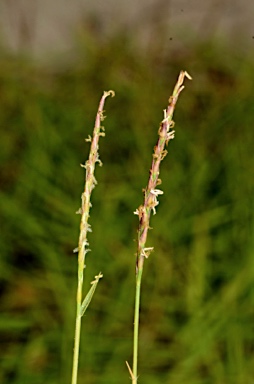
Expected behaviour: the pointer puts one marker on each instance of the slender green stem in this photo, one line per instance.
(149, 205)
(85, 226)
(77, 335)
(136, 326)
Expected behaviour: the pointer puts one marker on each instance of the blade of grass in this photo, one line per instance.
(90, 294)
(85, 227)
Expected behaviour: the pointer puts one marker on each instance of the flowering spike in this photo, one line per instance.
(151, 193)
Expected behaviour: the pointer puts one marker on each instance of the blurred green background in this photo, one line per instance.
(197, 293)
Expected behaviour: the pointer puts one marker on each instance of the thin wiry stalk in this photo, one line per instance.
(85, 227)
(149, 205)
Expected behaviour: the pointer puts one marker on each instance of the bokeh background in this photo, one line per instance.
(197, 319)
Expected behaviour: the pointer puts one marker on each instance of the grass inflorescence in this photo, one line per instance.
(151, 193)
(85, 227)
(166, 133)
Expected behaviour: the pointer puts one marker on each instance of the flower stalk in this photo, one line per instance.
(85, 227)
(151, 193)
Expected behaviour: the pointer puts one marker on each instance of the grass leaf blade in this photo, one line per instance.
(89, 295)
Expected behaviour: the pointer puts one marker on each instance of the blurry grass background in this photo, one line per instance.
(197, 293)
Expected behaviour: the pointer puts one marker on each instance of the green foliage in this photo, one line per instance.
(197, 290)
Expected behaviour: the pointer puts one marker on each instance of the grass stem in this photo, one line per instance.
(136, 326)
(149, 205)
(85, 227)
